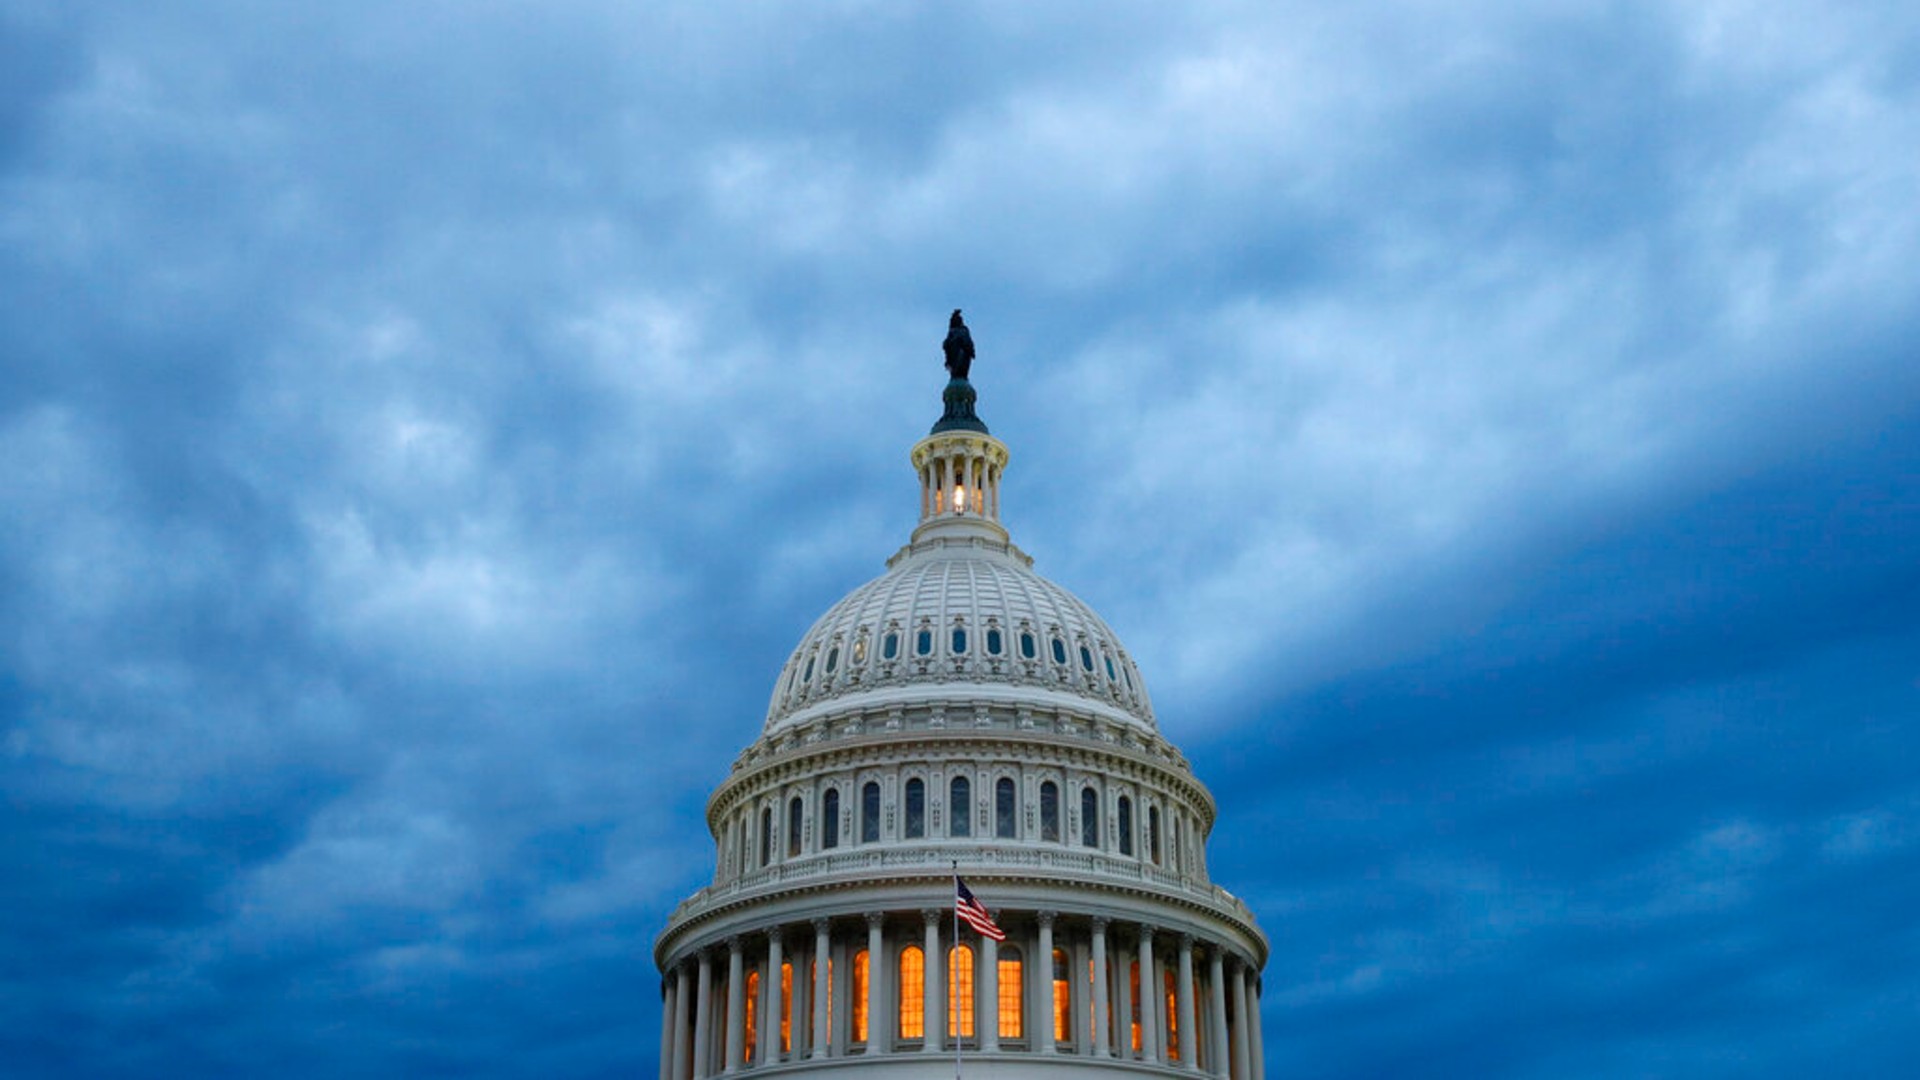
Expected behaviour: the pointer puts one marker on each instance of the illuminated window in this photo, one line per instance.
(786, 1006)
(860, 649)
(916, 808)
(1012, 1003)
(859, 992)
(913, 993)
(960, 992)
(1003, 809)
(1063, 997)
(1173, 1016)
(960, 807)
(1124, 816)
(1133, 997)
(830, 818)
(870, 813)
(753, 1012)
(1089, 818)
(793, 827)
(1050, 812)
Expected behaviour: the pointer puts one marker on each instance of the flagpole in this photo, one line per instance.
(953, 985)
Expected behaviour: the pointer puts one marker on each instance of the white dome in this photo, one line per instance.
(959, 618)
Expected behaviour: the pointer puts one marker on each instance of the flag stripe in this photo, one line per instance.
(974, 912)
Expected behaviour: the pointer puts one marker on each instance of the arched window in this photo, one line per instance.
(858, 994)
(993, 641)
(1086, 658)
(960, 807)
(959, 640)
(753, 1012)
(1059, 651)
(1063, 999)
(807, 676)
(786, 1006)
(916, 808)
(960, 992)
(870, 813)
(1153, 834)
(793, 827)
(1050, 812)
(913, 993)
(1012, 994)
(830, 818)
(923, 643)
(766, 835)
(1003, 809)
(1027, 649)
(860, 649)
(890, 645)
(833, 659)
(1089, 818)
(1124, 814)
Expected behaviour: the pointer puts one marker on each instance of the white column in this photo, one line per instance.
(821, 961)
(1101, 1017)
(666, 1028)
(877, 1041)
(1149, 998)
(1240, 1018)
(1043, 979)
(986, 994)
(736, 1003)
(934, 993)
(1256, 1045)
(703, 1020)
(1189, 1030)
(1217, 984)
(770, 1020)
(682, 1041)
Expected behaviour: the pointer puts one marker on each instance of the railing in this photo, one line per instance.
(1065, 862)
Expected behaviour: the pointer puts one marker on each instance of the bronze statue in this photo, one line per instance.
(959, 347)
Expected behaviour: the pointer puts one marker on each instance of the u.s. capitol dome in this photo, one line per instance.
(960, 714)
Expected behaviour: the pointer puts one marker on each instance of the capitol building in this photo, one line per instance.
(960, 714)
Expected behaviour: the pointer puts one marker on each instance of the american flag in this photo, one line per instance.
(976, 916)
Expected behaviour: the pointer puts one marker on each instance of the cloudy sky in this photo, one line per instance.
(425, 427)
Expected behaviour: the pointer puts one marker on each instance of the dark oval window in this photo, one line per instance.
(1059, 651)
(833, 659)
(1111, 677)
(993, 641)
(1086, 658)
(923, 644)
(1027, 648)
(807, 675)
(959, 641)
(890, 648)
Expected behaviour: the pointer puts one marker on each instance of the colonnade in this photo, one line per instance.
(943, 473)
(1074, 985)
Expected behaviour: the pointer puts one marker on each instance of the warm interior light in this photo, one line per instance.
(959, 498)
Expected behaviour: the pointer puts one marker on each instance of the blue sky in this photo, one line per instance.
(424, 428)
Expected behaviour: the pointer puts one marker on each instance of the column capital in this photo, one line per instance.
(1148, 931)
(1186, 941)
(736, 944)
(821, 924)
(875, 920)
(1100, 924)
(932, 915)
(1045, 918)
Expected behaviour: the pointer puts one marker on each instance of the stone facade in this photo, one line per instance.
(961, 713)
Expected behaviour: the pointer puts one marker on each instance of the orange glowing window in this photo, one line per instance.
(913, 993)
